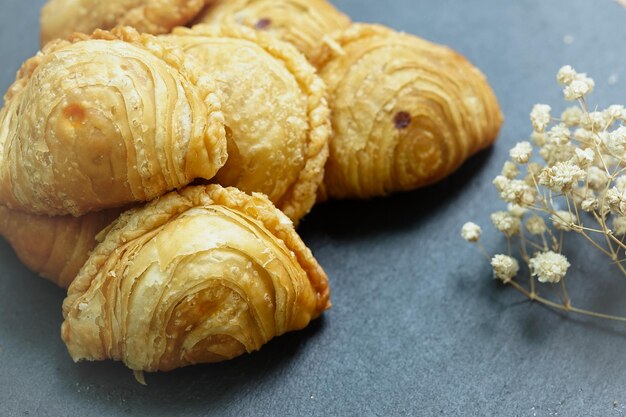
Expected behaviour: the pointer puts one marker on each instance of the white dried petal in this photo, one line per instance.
(561, 177)
(522, 152)
(536, 225)
(549, 267)
(506, 223)
(572, 116)
(540, 117)
(566, 75)
(471, 232)
(505, 268)
(563, 220)
(597, 178)
(509, 170)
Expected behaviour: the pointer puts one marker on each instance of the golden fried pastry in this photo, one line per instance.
(61, 18)
(405, 112)
(303, 23)
(275, 109)
(201, 275)
(104, 121)
(54, 247)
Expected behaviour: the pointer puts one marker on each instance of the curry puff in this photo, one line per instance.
(405, 112)
(304, 23)
(61, 18)
(106, 120)
(275, 108)
(54, 247)
(201, 275)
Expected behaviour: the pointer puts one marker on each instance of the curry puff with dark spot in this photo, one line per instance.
(106, 120)
(405, 112)
(201, 275)
(304, 23)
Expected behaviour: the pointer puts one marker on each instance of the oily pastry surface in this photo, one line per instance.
(54, 247)
(275, 109)
(200, 275)
(405, 112)
(61, 18)
(104, 121)
(304, 23)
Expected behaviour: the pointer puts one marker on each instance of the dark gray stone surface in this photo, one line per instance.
(419, 327)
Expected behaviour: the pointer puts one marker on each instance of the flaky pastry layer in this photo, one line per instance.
(200, 275)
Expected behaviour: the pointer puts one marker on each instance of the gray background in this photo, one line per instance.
(419, 327)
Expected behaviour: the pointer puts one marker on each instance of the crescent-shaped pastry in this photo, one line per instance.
(304, 23)
(405, 112)
(61, 18)
(201, 275)
(105, 121)
(275, 109)
(54, 247)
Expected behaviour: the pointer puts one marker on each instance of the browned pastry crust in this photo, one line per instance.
(275, 109)
(54, 247)
(405, 112)
(304, 23)
(201, 275)
(106, 120)
(61, 18)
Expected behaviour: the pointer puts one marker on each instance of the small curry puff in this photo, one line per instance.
(54, 247)
(304, 23)
(200, 275)
(105, 120)
(61, 18)
(275, 108)
(405, 112)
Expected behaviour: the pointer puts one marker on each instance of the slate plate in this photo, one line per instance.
(419, 327)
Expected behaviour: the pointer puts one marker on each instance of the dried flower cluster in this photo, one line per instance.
(570, 177)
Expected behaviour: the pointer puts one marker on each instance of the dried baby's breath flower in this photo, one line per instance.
(521, 153)
(579, 87)
(617, 201)
(572, 116)
(539, 138)
(581, 188)
(516, 210)
(566, 75)
(563, 220)
(514, 191)
(594, 121)
(549, 266)
(471, 232)
(505, 268)
(589, 204)
(584, 157)
(620, 183)
(585, 136)
(619, 226)
(559, 135)
(615, 112)
(561, 177)
(553, 153)
(509, 170)
(506, 223)
(536, 225)
(597, 178)
(616, 141)
(540, 117)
